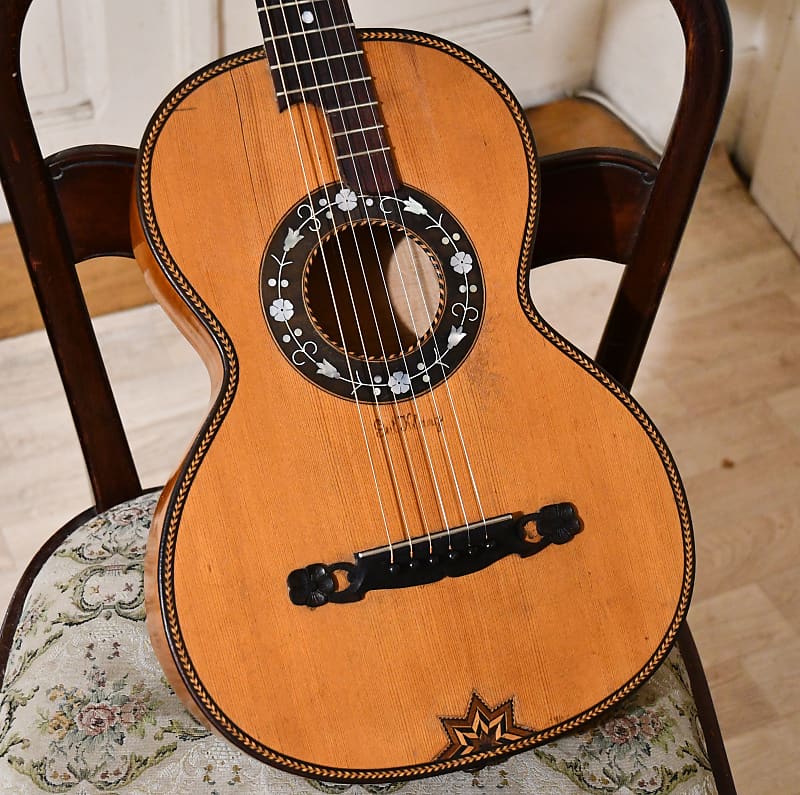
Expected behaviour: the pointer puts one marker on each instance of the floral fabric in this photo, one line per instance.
(85, 708)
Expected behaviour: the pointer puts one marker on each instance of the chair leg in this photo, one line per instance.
(708, 716)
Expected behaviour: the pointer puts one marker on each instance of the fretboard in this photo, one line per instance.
(316, 57)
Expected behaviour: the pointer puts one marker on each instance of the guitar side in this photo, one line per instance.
(340, 692)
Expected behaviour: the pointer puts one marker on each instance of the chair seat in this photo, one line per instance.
(85, 707)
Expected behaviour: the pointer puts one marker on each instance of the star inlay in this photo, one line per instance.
(482, 729)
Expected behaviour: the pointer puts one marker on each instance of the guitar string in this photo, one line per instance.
(443, 431)
(401, 428)
(414, 398)
(316, 228)
(310, 127)
(427, 309)
(467, 459)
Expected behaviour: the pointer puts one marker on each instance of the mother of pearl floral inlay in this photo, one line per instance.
(308, 224)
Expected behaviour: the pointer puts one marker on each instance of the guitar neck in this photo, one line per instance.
(316, 58)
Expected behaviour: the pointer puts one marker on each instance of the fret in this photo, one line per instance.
(265, 7)
(278, 6)
(344, 108)
(349, 155)
(357, 130)
(312, 88)
(309, 32)
(308, 61)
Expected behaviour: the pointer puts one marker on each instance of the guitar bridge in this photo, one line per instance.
(427, 559)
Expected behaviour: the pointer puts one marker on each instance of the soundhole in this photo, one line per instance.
(373, 290)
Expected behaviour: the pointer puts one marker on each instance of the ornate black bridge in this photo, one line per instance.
(429, 559)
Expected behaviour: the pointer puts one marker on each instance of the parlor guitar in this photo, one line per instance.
(418, 530)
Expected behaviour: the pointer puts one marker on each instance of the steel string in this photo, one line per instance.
(476, 491)
(414, 398)
(387, 448)
(330, 285)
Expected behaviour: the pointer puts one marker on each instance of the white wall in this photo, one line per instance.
(776, 177)
(768, 48)
(640, 65)
(95, 70)
(640, 70)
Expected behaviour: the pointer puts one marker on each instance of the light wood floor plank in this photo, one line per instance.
(110, 284)
(766, 759)
(783, 588)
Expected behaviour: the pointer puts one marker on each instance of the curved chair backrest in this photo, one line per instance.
(618, 206)
(601, 203)
(52, 206)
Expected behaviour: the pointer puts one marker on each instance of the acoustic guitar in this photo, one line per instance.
(418, 530)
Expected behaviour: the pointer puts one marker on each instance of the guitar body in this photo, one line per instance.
(409, 681)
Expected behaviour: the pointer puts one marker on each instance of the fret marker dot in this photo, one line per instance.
(456, 237)
(273, 282)
(307, 17)
(426, 379)
(421, 366)
(285, 283)
(287, 338)
(298, 332)
(369, 202)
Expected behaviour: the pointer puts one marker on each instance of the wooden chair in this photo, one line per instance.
(598, 203)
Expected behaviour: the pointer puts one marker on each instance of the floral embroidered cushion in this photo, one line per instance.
(85, 708)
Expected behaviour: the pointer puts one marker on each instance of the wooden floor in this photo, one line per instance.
(721, 378)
